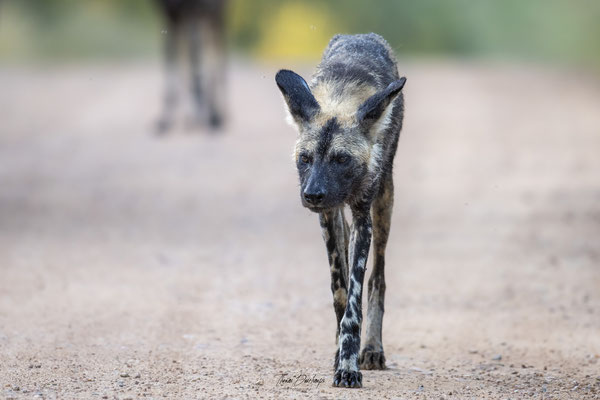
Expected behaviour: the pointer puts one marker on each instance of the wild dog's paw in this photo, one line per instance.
(371, 359)
(349, 379)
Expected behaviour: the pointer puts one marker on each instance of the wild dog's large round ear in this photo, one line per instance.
(372, 109)
(300, 101)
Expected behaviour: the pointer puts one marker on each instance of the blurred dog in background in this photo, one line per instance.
(194, 53)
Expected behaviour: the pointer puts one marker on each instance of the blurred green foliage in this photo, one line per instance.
(563, 31)
(544, 30)
(38, 30)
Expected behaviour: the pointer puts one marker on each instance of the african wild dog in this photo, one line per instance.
(349, 120)
(195, 33)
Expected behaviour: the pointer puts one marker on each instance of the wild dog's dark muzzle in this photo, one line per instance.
(315, 193)
(314, 198)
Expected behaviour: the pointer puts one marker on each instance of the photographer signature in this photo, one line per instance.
(285, 379)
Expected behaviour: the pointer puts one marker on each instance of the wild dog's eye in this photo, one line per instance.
(305, 159)
(341, 159)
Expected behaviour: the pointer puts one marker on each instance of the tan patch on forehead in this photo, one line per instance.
(347, 142)
(355, 145)
(339, 101)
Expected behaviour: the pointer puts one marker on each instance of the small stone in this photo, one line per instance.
(497, 357)
(124, 375)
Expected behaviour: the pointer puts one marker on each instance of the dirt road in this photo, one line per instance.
(184, 267)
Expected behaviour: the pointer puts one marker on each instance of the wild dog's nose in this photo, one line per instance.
(314, 198)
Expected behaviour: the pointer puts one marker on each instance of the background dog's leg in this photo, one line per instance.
(334, 226)
(347, 373)
(172, 36)
(372, 356)
(195, 37)
(214, 43)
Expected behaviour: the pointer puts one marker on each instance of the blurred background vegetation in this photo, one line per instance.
(548, 31)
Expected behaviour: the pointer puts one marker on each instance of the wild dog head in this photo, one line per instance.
(339, 124)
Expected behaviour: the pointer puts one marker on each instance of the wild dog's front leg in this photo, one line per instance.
(347, 370)
(334, 230)
(372, 356)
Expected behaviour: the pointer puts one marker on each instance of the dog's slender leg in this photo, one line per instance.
(347, 243)
(195, 42)
(347, 372)
(372, 356)
(215, 67)
(334, 227)
(172, 36)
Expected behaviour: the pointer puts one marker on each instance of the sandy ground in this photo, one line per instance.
(184, 267)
